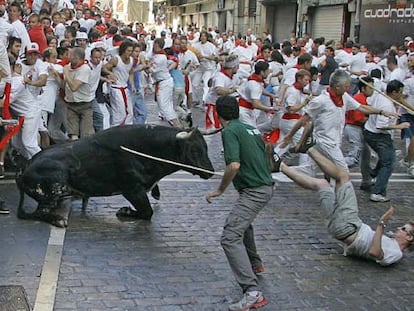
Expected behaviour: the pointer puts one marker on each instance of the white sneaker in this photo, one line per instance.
(378, 198)
(253, 300)
(410, 171)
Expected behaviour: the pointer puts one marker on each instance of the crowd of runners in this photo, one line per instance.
(68, 69)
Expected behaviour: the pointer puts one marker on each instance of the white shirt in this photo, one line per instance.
(219, 80)
(19, 31)
(35, 71)
(95, 75)
(188, 60)
(293, 97)
(357, 63)
(251, 90)
(121, 71)
(83, 93)
(6, 30)
(289, 77)
(206, 49)
(362, 243)
(397, 74)
(328, 119)
(50, 91)
(159, 67)
(22, 102)
(375, 121)
(59, 31)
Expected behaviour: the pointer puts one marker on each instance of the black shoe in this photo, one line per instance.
(366, 187)
(189, 120)
(1, 171)
(273, 158)
(304, 147)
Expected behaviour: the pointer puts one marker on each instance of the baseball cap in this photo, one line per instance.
(32, 48)
(408, 39)
(81, 35)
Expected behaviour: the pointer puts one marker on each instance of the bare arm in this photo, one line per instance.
(371, 110)
(107, 68)
(375, 249)
(296, 108)
(223, 91)
(229, 174)
(301, 122)
(72, 83)
(39, 82)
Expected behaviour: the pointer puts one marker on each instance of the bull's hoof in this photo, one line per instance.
(128, 212)
(45, 215)
(60, 223)
(155, 193)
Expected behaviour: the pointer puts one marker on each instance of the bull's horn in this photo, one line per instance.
(210, 132)
(183, 135)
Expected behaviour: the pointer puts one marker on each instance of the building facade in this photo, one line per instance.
(374, 22)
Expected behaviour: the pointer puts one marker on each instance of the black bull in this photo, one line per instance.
(97, 166)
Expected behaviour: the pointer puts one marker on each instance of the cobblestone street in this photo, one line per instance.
(175, 262)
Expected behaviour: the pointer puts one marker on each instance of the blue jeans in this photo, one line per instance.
(140, 109)
(383, 145)
(97, 116)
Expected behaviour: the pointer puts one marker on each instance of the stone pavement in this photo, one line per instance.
(175, 261)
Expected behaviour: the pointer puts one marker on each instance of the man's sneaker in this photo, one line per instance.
(250, 300)
(1, 171)
(273, 158)
(410, 171)
(378, 198)
(258, 269)
(3, 209)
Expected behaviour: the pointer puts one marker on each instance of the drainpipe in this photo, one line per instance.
(357, 27)
(299, 19)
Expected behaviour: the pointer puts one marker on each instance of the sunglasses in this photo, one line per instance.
(406, 229)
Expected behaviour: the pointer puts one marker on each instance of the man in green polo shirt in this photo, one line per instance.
(248, 169)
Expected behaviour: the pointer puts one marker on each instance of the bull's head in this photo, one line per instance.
(194, 152)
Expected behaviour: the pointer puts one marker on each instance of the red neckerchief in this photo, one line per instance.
(298, 67)
(256, 78)
(223, 71)
(337, 99)
(78, 65)
(348, 50)
(298, 86)
(162, 52)
(244, 45)
(173, 58)
(63, 62)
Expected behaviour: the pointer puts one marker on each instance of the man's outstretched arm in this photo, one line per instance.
(375, 249)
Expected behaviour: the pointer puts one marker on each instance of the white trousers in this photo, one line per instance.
(122, 110)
